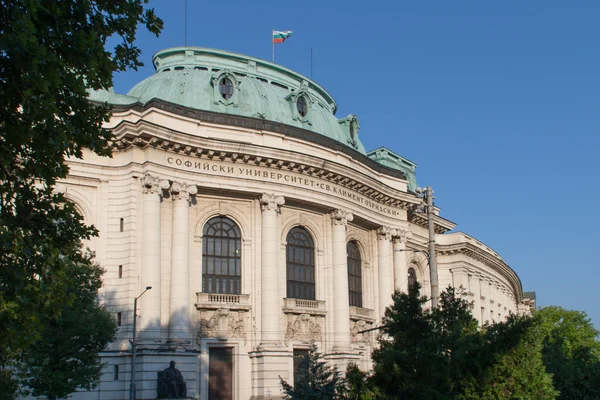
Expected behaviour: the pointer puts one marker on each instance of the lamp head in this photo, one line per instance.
(148, 287)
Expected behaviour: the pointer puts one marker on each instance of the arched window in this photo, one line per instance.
(221, 256)
(354, 274)
(412, 277)
(300, 261)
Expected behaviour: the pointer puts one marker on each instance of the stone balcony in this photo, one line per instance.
(301, 306)
(216, 301)
(361, 314)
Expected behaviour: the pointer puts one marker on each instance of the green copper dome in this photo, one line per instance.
(230, 83)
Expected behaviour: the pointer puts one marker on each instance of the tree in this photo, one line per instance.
(357, 385)
(516, 370)
(66, 358)
(53, 53)
(571, 352)
(315, 379)
(424, 353)
(441, 353)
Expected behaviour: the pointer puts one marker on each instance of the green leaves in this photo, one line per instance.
(52, 54)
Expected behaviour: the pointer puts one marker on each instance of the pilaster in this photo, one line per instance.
(386, 274)
(150, 328)
(179, 319)
(399, 238)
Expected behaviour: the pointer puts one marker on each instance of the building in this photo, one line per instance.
(261, 224)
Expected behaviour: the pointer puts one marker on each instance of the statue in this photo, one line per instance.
(171, 384)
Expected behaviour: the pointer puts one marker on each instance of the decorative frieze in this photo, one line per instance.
(303, 328)
(224, 323)
(356, 334)
(154, 185)
(341, 217)
(269, 201)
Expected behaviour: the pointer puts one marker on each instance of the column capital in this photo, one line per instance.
(270, 201)
(341, 217)
(384, 233)
(401, 235)
(154, 185)
(183, 191)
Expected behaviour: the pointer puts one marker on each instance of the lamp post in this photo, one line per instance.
(433, 274)
(133, 345)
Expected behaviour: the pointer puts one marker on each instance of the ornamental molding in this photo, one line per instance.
(401, 235)
(183, 191)
(222, 324)
(292, 98)
(341, 217)
(441, 225)
(215, 82)
(269, 201)
(475, 253)
(303, 328)
(142, 134)
(384, 233)
(154, 185)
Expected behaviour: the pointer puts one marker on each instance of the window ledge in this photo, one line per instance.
(215, 301)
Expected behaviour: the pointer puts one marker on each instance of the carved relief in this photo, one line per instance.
(154, 185)
(384, 233)
(269, 201)
(304, 329)
(356, 336)
(341, 217)
(183, 191)
(222, 324)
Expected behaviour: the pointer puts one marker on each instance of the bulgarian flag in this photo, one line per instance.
(280, 36)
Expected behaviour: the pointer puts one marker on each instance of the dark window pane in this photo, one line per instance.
(300, 264)
(354, 274)
(221, 258)
(412, 277)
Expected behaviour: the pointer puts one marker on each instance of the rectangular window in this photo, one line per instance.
(482, 315)
(300, 363)
(120, 271)
(119, 318)
(122, 224)
(480, 287)
(469, 279)
(115, 372)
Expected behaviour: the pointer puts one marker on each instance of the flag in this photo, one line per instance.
(280, 36)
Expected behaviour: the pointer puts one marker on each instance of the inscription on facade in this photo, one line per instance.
(288, 178)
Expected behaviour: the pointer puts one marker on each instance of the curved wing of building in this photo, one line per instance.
(261, 224)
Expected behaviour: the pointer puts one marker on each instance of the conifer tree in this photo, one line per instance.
(315, 380)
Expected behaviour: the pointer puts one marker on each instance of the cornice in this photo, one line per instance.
(143, 134)
(492, 261)
(260, 125)
(442, 225)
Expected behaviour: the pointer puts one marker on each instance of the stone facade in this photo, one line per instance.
(174, 169)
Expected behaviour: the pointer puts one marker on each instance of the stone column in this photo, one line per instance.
(150, 274)
(386, 274)
(270, 298)
(271, 359)
(179, 321)
(341, 306)
(400, 272)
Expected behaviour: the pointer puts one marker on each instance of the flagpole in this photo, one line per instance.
(273, 44)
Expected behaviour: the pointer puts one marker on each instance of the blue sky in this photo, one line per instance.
(497, 102)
